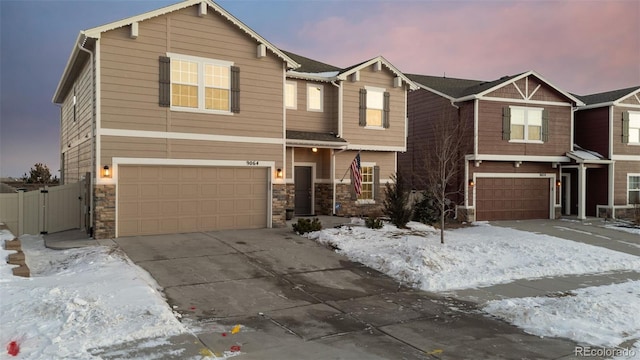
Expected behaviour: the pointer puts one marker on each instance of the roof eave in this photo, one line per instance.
(315, 143)
(58, 96)
(306, 76)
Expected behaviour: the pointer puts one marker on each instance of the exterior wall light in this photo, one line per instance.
(314, 149)
(472, 183)
(279, 173)
(558, 183)
(106, 172)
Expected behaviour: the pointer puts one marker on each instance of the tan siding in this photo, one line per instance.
(632, 100)
(77, 158)
(322, 159)
(303, 120)
(620, 148)
(620, 180)
(490, 132)
(386, 161)
(129, 69)
(114, 146)
(209, 150)
(394, 135)
(527, 86)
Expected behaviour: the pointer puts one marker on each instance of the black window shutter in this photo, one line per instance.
(363, 107)
(625, 127)
(165, 82)
(506, 123)
(545, 125)
(352, 189)
(235, 89)
(376, 183)
(385, 108)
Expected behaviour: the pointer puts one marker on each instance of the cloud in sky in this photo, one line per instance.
(582, 46)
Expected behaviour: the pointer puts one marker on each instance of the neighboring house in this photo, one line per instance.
(604, 179)
(185, 119)
(518, 134)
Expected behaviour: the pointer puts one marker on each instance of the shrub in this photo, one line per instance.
(426, 211)
(373, 222)
(307, 225)
(396, 202)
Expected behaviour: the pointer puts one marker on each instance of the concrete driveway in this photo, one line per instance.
(296, 299)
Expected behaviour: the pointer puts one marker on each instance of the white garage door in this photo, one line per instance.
(174, 199)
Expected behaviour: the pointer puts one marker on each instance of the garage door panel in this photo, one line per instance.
(170, 199)
(512, 198)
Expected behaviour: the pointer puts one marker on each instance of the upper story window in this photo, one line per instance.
(633, 188)
(631, 127)
(314, 97)
(291, 95)
(525, 124)
(199, 84)
(374, 107)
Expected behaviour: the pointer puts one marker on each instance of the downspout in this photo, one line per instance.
(340, 89)
(333, 152)
(93, 137)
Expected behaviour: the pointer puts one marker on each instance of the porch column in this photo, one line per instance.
(582, 191)
(612, 184)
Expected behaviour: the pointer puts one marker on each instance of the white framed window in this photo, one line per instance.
(633, 189)
(200, 84)
(315, 94)
(375, 106)
(526, 124)
(634, 127)
(368, 192)
(291, 95)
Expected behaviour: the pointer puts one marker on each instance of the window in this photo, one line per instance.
(633, 188)
(522, 124)
(199, 84)
(291, 95)
(374, 108)
(314, 97)
(633, 127)
(367, 183)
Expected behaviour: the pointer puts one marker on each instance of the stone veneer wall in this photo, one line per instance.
(349, 207)
(280, 203)
(465, 214)
(324, 199)
(104, 225)
(291, 194)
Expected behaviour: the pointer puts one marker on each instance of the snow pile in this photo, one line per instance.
(77, 300)
(475, 256)
(600, 315)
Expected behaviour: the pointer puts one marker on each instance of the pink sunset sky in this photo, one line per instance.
(580, 46)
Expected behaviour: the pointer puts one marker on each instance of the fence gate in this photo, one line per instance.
(48, 210)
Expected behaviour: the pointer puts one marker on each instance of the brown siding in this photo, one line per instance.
(623, 168)
(355, 134)
(129, 75)
(303, 120)
(75, 134)
(490, 132)
(592, 129)
(620, 148)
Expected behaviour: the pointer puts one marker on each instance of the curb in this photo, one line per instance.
(17, 258)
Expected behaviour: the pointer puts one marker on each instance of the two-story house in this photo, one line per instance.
(517, 136)
(604, 178)
(185, 119)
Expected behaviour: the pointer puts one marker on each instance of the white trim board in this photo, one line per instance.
(189, 136)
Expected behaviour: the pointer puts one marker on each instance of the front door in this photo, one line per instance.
(302, 180)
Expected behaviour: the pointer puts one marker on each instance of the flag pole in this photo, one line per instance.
(349, 168)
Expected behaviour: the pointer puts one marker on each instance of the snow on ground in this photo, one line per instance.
(632, 230)
(484, 255)
(77, 300)
(475, 256)
(601, 315)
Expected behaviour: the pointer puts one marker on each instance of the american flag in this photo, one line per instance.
(356, 174)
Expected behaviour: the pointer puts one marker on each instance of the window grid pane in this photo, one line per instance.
(184, 95)
(517, 132)
(374, 117)
(314, 98)
(290, 95)
(184, 72)
(367, 183)
(535, 133)
(216, 76)
(216, 99)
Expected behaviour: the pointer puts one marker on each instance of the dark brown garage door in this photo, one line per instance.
(512, 198)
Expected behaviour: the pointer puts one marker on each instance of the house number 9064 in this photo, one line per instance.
(252, 162)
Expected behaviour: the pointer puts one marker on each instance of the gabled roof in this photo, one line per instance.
(608, 97)
(467, 89)
(352, 69)
(309, 65)
(76, 58)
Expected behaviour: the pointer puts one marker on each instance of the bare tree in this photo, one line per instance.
(443, 161)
